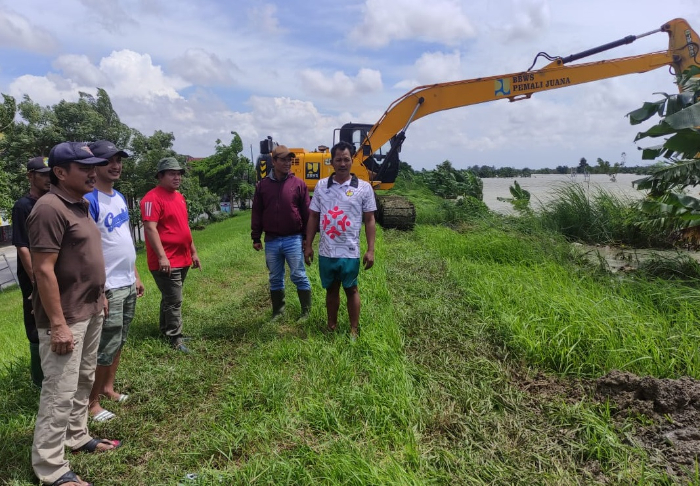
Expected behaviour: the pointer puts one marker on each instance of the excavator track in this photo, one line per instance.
(396, 212)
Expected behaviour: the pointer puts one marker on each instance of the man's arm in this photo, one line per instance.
(196, 263)
(139, 285)
(151, 232)
(47, 285)
(311, 227)
(256, 226)
(304, 208)
(20, 238)
(370, 233)
(25, 257)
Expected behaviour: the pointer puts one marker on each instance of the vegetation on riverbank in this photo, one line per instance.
(460, 328)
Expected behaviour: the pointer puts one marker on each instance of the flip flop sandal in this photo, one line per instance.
(104, 416)
(69, 477)
(91, 446)
(122, 398)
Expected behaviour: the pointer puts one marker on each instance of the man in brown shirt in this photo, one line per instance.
(69, 307)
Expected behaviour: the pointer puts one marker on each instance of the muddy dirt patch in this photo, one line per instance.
(668, 411)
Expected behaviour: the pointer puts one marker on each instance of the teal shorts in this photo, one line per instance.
(343, 270)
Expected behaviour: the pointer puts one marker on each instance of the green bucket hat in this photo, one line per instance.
(169, 163)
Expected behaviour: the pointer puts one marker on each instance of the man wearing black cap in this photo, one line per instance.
(38, 175)
(69, 308)
(110, 211)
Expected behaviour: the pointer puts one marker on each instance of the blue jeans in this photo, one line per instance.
(286, 248)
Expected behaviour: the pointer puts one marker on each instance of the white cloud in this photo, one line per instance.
(439, 67)
(110, 16)
(134, 75)
(265, 18)
(340, 84)
(204, 68)
(531, 18)
(385, 21)
(44, 90)
(17, 32)
(80, 70)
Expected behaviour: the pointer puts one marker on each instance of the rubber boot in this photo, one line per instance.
(277, 298)
(35, 364)
(305, 301)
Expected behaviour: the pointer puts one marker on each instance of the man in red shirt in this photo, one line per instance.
(170, 250)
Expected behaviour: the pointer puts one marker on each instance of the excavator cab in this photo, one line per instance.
(264, 161)
(383, 164)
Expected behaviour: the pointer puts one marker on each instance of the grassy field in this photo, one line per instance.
(457, 327)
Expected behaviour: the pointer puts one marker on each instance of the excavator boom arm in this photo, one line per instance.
(425, 100)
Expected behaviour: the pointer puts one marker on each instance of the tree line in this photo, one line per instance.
(28, 130)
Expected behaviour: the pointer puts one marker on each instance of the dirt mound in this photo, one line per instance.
(672, 407)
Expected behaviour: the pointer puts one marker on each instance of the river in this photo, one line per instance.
(542, 188)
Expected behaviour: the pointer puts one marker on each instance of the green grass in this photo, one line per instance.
(597, 217)
(453, 323)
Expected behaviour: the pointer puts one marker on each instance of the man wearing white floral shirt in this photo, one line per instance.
(340, 205)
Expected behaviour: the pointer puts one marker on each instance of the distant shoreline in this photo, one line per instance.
(541, 187)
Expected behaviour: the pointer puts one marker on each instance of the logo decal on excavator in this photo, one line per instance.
(502, 87)
(691, 45)
(313, 170)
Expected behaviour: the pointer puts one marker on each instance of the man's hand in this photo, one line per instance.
(164, 265)
(257, 246)
(196, 263)
(139, 288)
(62, 339)
(368, 259)
(105, 307)
(308, 254)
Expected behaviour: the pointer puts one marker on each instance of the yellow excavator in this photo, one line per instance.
(381, 169)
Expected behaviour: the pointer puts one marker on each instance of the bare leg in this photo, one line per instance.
(353, 296)
(333, 304)
(104, 385)
(108, 387)
(101, 373)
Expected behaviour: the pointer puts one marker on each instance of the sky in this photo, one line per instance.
(298, 69)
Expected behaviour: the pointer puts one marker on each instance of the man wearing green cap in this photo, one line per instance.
(170, 249)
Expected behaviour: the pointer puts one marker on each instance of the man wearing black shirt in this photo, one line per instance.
(38, 175)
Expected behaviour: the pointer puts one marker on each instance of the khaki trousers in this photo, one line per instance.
(63, 407)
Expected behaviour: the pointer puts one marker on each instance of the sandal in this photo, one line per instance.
(69, 477)
(91, 446)
(104, 416)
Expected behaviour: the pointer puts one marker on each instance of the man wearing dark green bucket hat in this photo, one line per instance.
(170, 249)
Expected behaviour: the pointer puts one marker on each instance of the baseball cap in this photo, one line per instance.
(106, 149)
(66, 152)
(281, 151)
(169, 163)
(38, 164)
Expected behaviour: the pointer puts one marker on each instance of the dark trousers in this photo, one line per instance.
(29, 323)
(170, 287)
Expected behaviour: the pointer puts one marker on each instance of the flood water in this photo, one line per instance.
(542, 188)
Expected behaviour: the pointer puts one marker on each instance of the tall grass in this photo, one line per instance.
(597, 216)
(432, 392)
(567, 320)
